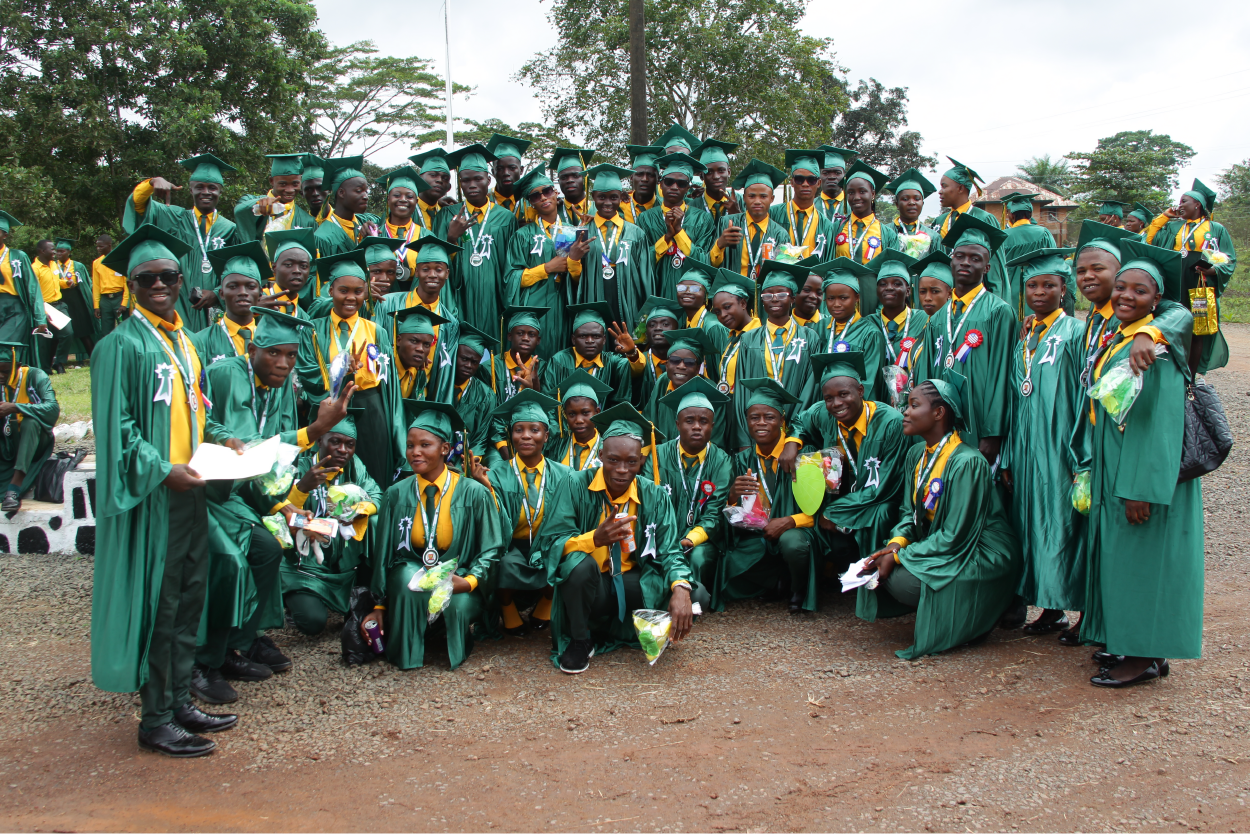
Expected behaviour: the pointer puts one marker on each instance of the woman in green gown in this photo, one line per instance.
(900, 323)
(517, 369)
(953, 557)
(1145, 541)
(863, 236)
(619, 267)
(464, 519)
(845, 328)
(910, 189)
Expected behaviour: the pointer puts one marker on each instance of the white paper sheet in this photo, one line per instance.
(219, 463)
(56, 318)
(852, 580)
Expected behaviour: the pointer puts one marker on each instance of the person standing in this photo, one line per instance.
(346, 224)
(955, 196)
(644, 181)
(151, 513)
(748, 239)
(569, 165)
(21, 301)
(244, 269)
(201, 227)
(399, 221)
(618, 267)
(277, 210)
(76, 289)
(718, 198)
(53, 352)
(845, 329)
(910, 189)
(311, 180)
(862, 237)
(832, 171)
(509, 153)
(436, 176)
(809, 228)
(1023, 237)
(109, 294)
(674, 231)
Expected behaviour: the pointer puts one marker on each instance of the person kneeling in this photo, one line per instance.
(28, 412)
(463, 515)
(953, 557)
(625, 525)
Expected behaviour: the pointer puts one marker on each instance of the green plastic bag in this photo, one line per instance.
(1080, 492)
(655, 628)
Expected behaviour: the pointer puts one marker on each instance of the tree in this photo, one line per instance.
(96, 94)
(738, 70)
(1235, 186)
(874, 125)
(1132, 165)
(363, 102)
(545, 139)
(1051, 174)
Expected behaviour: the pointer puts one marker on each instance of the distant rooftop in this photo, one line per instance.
(1006, 185)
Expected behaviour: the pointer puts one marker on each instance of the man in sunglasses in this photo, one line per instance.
(807, 225)
(151, 562)
(673, 230)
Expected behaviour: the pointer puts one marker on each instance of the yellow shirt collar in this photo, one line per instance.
(1049, 320)
(964, 208)
(510, 362)
(537, 468)
(815, 318)
(900, 319)
(700, 457)
(599, 485)
(506, 202)
(160, 322)
(775, 454)
(751, 325)
(646, 205)
(861, 425)
(1025, 222)
(955, 440)
(233, 329)
(617, 221)
(440, 482)
(336, 321)
(972, 294)
(1105, 311)
(763, 224)
(199, 215)
(583, 362)
(1130, 330)
(712, 202)
(773, 328)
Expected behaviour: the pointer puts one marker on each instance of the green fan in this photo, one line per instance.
(809, 487)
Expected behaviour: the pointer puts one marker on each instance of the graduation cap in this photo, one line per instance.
(713, 150)
(952, 393)
(693, 339)
(802, 160)
(349, 264)
(644, 154)
(502, 146)
(836, 157)
(962, 174)
(759, 172)
(379, 250)
(661, 308)
(696, 393)
(936, 264)
(439, 419)
(432, 249)
(8, 221)
(435, 159)
(285, 164)
(473, 157)
(863, 171)
(580, 383)
(911, 180)
(1051, 261)
(64, 243)
(784, 275)
(347, 426)
(848, 363)
(417, 320)
(275, 328)
(892, 264)
(314, 168)
(1203, 194)
(608, 177)
(733, 283)
(1112, 208)
(767, 391)
(518, 316)
(1163, 265)
(840, 271)
(475, 339)
(1143, 212)
(679, 163)
(678, 137)
(693, 269)
(1019, 201)
(623, 420)
(532, 181)
(592, 312)
(1104, 237)
(405, 177)
(12, 352)
(246, 259)
(206, 168)
(340, 170)
(528, 406)
(146, 243)
(565, 158)
(973, 231)
(278, 242)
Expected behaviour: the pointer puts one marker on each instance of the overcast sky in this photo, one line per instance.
(1050, 76)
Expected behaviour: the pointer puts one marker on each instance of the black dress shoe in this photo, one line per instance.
(12, 503)
(239, 668)
(518, 631)
(58, 368)
(1104, 678)
(1105, 659)
(265, 652)
(173, 740)
(194, 720)
(1015, 615)
(1039, 627)
(1071, 636)
(796, 604)
(539, 625)
(210, 687)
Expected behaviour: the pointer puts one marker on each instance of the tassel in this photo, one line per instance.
(655, 461)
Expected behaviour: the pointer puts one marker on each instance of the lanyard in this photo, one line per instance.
(479, 252)
(575, 460)
(808, 231)
(606, 249)
(950, 306)
(777, 372)
(856, 241)
(1093, 345)
(205, 266)
(833, 331)
(185, 373)
(890, 352)
(351, 337)
(764, 478)
(430, 527)
(692, 494)
(1188, 236)
(753, 258)
(413, 232)
(4, 398)
(846, 447)
(727, 359)
(229, 338)
(1029, 357)
(924, 470)
(263, 417)
(530, 518)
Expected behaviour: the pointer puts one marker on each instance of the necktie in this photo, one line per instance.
(531, 487)
(1036, 335)
(891, 328)
(618, 578)
(246, 334)
(431, 505)
(779, 338)
(800, 223)
(756, 233)
(770, 475)
(576, 457)
(959, 307)
(204, 224)
(184, 362)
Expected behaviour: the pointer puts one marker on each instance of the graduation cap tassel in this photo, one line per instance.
(655, 461)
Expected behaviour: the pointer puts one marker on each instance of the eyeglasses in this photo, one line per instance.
(798, 180)
(689, 287)
(547, 191)
(147, 280)
(682, 363)
(673, 182)
(774, 296)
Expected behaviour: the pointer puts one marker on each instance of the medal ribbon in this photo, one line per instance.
(428, 525)
(895, 358)
(481, 224)
(693, 495)
(184, 372)
(203, 240)
(925, 467)
(950, 306)
(530, 518)
(606, 248)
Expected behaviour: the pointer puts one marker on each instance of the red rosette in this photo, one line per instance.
(908, 343)
(840, 239)
(708, 487)
(974, 339)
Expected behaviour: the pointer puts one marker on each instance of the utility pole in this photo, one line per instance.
(447, 40)
(637, 74)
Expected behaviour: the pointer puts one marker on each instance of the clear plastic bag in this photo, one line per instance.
(831, 462)
(437, 580)
(277, 482)
(750, 515)
(564, 240)
(1080, 492)
(655, 630)
(915, 246)
(338, 373)
(1117, 390)
(789, 253)
(342, 501)
(276, 524)
(896, 379)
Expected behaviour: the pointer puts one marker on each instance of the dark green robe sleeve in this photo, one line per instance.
(43, 407)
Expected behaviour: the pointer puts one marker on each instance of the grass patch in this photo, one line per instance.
(1235, 302)
(73, 392)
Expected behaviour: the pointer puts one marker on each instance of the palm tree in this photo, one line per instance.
(1044, 172)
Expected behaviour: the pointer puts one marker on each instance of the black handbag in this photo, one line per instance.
(50, 484)
(1208, 438)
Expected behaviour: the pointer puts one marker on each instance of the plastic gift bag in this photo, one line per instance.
(1117, 390)
(750, 515)
(277, 482)
(341, 501)
(789, 253)
(563, 240)
(1080, 492)
(276, 524)
(437, 580)
(338, 373)
(915, 246)
(831, 462)
(655, 628)
(896, 378)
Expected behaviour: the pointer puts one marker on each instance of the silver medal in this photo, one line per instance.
(205, 266)
(723, 387)
(608, 273)
(677, 259)
(690, 519)
(1026, 387)
(475, 259)
(429, 558)
(950, 360)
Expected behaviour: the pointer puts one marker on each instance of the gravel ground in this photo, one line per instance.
(760, 721)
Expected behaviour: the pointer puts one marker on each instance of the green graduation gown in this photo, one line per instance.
(1038, 453)
(1021, 240)
(869, 509)
(214, 344)
(868, 302)
(822, 244)
(633, 262)
(996, 280)
(862, 334)
(523, 564)
(531, 247)
(794, 373)
(22, 312)
(967, 559)
(770, 238)
(333, 579)
(914, 328)
(911, 238)
(249, 226)
(474, 403)
(1144, 592)
(615, 372)
(441, 378)
(1214, 348)
(80, 302)
(576, 510)
(37, 414)
(481, 290)
(665, 421)
(476, 542)
(181, 223)
(331, 240)
(698, 227)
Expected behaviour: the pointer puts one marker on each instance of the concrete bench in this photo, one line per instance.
(40, 527)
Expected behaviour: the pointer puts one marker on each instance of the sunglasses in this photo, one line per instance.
(147, 280)
(682, 363)
(774, 296)
(673, 182)
(798, 180)
(546, 191)
(689, 287)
